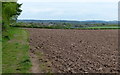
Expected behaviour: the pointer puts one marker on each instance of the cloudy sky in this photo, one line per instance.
(69, 9)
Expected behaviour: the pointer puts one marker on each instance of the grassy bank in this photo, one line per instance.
(15, 52)
(0, 50)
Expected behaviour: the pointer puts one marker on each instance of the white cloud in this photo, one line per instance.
(41, 10)
(58, 13)
(68, 0)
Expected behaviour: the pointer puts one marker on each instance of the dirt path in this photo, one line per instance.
(39, 62)
(76, 51)
(35, 63)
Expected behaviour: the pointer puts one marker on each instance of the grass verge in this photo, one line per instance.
(15, 54)
(0, 51)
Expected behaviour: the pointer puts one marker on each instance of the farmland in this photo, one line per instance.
(74, 51)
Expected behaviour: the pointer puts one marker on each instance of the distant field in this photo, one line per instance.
(106, 27)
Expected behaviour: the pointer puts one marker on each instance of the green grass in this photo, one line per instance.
(0, 50)
(15, 51)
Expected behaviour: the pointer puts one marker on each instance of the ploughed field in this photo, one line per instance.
(76, 51)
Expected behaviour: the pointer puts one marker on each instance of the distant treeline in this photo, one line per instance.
(62, 24)
(65, 23)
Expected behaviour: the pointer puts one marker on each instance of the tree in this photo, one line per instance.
(103, 23)
(68, 25)
(10, 12)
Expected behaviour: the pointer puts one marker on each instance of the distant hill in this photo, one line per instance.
(72, 22)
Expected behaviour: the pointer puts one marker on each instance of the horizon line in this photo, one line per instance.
(68, 20)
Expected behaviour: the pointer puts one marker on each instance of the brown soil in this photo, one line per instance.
(76, 51)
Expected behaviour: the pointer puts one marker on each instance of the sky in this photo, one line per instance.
(69, 9)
